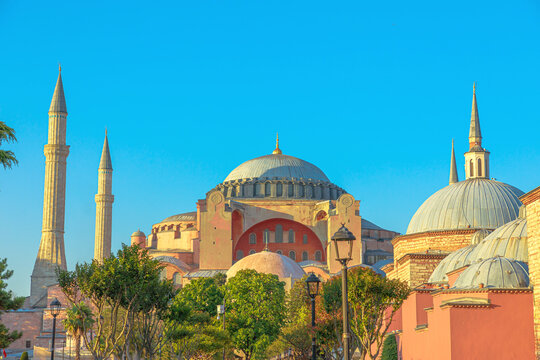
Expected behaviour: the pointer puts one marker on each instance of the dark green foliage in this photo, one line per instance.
(7, 302)
(390, 350)
(7, 157)
(24, 356)
(255, 306)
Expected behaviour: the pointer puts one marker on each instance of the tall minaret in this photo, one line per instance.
(104, 201)
(453, 168)
(51, 253)
(477, 158)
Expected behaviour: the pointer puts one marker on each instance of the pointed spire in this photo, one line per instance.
(453, 167)
(475, 135)
(105, 162)
(58, 103)
(277, 150)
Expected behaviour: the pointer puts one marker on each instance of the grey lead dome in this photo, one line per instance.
(471, 204)
(497, 272)
(277, 166)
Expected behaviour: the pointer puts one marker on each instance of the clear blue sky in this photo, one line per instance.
(371, 92)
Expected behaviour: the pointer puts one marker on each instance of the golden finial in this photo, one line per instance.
(105, 131)
(59, 67)
(474, 88)
(277, 150)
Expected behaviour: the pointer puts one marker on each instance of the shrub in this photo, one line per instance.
(389, 351)
(24, 356)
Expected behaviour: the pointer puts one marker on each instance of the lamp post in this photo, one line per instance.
(343, 239)
(312, 284)
(55, 310)
(221, 312)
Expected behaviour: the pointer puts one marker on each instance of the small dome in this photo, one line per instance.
(453, 261)
(189, 216)
(469, 204)
(138, 233)
(509, 240)
(269, 263)
(478, 236)
(497, 272)
(277, 166)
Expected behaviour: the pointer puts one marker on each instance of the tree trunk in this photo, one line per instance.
(78, 347)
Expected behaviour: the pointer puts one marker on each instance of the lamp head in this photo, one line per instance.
(312, 284)
(55, 307)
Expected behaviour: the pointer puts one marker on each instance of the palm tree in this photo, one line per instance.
(7, 157)
(78, 320)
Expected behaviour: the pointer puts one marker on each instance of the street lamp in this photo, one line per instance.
(343, 239)
(312, 284)
(221, 312)
(55, 310)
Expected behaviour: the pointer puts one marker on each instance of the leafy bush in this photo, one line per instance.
(24, 356)
(389, 351)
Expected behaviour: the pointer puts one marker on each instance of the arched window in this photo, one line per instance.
(291, 236)
(304, 256)
(255, 189)
(177, 279)
(266, 236)
(279, 252)
(300, 190)
(479, 167)
(279, 189)
(318, 255)
(291, 189)
(304, 239)
(239, 254)
(279, 233)
(251, 252)
(267, 189)
(252, 238)
(471, 169)
(292, 255)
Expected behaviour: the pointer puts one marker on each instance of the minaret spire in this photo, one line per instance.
(51, 253)
(453, 168)
(277, 150)
(104, 201)
(475, 135)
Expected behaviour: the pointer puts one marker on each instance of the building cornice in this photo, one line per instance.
(434, 233)
(531, 196)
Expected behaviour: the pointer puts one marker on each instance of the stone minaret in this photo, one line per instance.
(477, 158)
(104, 201)
(51, 253)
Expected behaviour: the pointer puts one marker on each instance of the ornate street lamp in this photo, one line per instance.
(55, 310)
(312, 284)
(343, 240)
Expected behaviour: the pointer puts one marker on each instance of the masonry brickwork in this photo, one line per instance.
(532, 201)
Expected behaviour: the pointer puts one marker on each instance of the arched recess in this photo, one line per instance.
(311, 246)
(237, 220)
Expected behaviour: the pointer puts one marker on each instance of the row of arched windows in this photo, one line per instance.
(292, 254)
(471, 167)
(279, 236)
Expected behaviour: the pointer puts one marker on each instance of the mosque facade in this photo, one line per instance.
(471, 252)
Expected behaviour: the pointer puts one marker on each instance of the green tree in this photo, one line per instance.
(114, 289)
(7, 302)
(24, 356)
(192, 325)
(255, 306)
(390, 350)
(78, 321)
(330, 319)
(373, 301)
(7, 157)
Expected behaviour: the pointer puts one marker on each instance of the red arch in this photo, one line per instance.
(313, 244)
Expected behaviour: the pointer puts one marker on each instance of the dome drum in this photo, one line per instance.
(280, 188)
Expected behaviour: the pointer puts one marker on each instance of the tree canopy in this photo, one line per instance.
(7, 157)
(7, 302)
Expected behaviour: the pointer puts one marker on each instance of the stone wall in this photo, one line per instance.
(532, 201)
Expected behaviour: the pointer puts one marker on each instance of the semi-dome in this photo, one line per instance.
(277, 166)
(457, 259)
(453, 261)
(268, 262)
(496, 272)
(138, 233)
(509, 240)
(471, 204)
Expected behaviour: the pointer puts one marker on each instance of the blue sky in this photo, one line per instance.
(370, 92)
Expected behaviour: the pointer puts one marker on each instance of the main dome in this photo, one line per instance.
(277, 166)
(470, 204)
